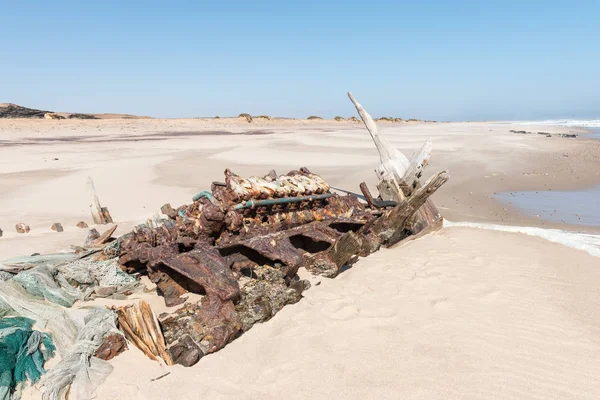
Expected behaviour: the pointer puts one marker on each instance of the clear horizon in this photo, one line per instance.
(432, 60)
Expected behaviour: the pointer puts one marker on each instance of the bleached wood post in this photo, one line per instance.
(95, 207)
(99, 214)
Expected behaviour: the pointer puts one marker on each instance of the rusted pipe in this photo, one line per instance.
(268, 202)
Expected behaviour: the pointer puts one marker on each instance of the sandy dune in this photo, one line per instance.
(463, 313)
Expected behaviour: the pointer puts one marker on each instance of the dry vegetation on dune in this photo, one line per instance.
(247, 116)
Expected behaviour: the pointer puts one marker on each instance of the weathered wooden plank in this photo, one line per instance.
(414, 171)
(390, 227)
(140, 326)
(344, 249)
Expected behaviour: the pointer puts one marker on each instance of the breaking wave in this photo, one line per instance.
(581, 241)
(585, 123)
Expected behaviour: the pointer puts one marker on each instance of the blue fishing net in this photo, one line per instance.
(23, 352)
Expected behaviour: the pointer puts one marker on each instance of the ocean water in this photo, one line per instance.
(577, 207)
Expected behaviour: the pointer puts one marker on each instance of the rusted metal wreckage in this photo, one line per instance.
(241, 244)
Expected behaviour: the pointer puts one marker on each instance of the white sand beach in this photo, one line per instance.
(460, 313)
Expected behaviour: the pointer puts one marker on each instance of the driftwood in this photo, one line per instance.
(140, 327)
(100, 214)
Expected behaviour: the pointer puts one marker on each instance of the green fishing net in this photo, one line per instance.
(23, 352)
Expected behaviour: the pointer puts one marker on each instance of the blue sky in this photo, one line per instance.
(443, 60)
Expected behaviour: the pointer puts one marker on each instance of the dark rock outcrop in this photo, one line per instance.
(81, 116)
(15, 111)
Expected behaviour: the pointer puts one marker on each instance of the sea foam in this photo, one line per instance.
(581, 241)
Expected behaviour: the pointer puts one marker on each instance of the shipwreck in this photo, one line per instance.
(238, 245)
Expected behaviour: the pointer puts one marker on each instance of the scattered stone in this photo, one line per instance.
(35, 254)
(93, 234)
(22, 228)
(113, 345)
(57, 227)
(0, 232)
(567, 135)
(82, 225)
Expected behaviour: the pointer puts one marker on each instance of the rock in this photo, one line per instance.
(568, 135)
(82, 225)
(81, 116)
(22, 228)
(15, 111)
(113, 345)
(35, 254)
(0, 232)
(57, 227)
(186, 352)
(93, 234)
